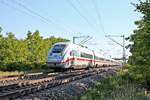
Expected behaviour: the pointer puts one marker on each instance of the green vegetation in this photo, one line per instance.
(133, 81)
(25, 54)
(140, 49)
(6, 73)
(129, 84)
(119, 87)
(115, 88)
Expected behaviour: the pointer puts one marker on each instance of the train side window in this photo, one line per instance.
(85, 55)
(101, 59)
(96, 58)
(74, 53)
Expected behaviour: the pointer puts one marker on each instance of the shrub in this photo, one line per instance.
(114, 88)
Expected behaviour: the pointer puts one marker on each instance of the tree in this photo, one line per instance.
(38, 48)
(23, 54)
(140, 59)
(34, 41)
(1, 29)
(7, 49)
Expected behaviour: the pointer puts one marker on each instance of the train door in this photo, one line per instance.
(74, 54)
(93, 59)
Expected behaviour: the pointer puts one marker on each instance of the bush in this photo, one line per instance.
(25, 54)
(115, 88)
(141, 75)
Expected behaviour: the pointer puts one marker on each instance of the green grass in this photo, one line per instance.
(115, 88)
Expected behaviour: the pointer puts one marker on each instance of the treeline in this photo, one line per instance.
(25, 54)
(140, 47)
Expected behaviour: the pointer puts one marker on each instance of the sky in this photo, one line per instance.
(68, 18)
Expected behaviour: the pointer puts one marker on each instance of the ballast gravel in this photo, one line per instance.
(68, 91)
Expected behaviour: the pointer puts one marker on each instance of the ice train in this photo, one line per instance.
(66, 55)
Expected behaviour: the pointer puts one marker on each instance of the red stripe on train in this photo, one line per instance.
(79, 59)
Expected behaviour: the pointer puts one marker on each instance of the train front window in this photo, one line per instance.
(58, 48)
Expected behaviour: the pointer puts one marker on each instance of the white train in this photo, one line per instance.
(66, 55)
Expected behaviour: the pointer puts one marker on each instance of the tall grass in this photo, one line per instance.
(115, 88)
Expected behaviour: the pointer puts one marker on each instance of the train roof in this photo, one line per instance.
(63, 43)
(85, 49)
(69, 43)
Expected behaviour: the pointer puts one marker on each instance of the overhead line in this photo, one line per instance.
(46, 20)
(99, 16)
(84, 10)
(36, 14)
(59, 22)
(21, 11)
(85, 40)
(10, 6)
(78, 11)
(33, 12)
(81, 5)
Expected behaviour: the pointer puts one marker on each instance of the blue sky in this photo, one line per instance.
(63, 20)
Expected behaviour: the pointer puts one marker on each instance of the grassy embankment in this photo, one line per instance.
(7, 73)
(118, 87)
(17, 72)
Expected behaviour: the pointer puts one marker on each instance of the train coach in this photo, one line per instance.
(66, 55)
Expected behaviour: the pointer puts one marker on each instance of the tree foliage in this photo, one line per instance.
(140, 48)
(25, 54)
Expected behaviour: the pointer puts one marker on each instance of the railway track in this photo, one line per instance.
(25, 87)
(6, 81)
(30, 76)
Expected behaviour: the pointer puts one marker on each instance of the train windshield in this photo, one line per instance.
(58, 48)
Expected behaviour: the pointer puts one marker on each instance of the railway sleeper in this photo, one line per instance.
(49, 84)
